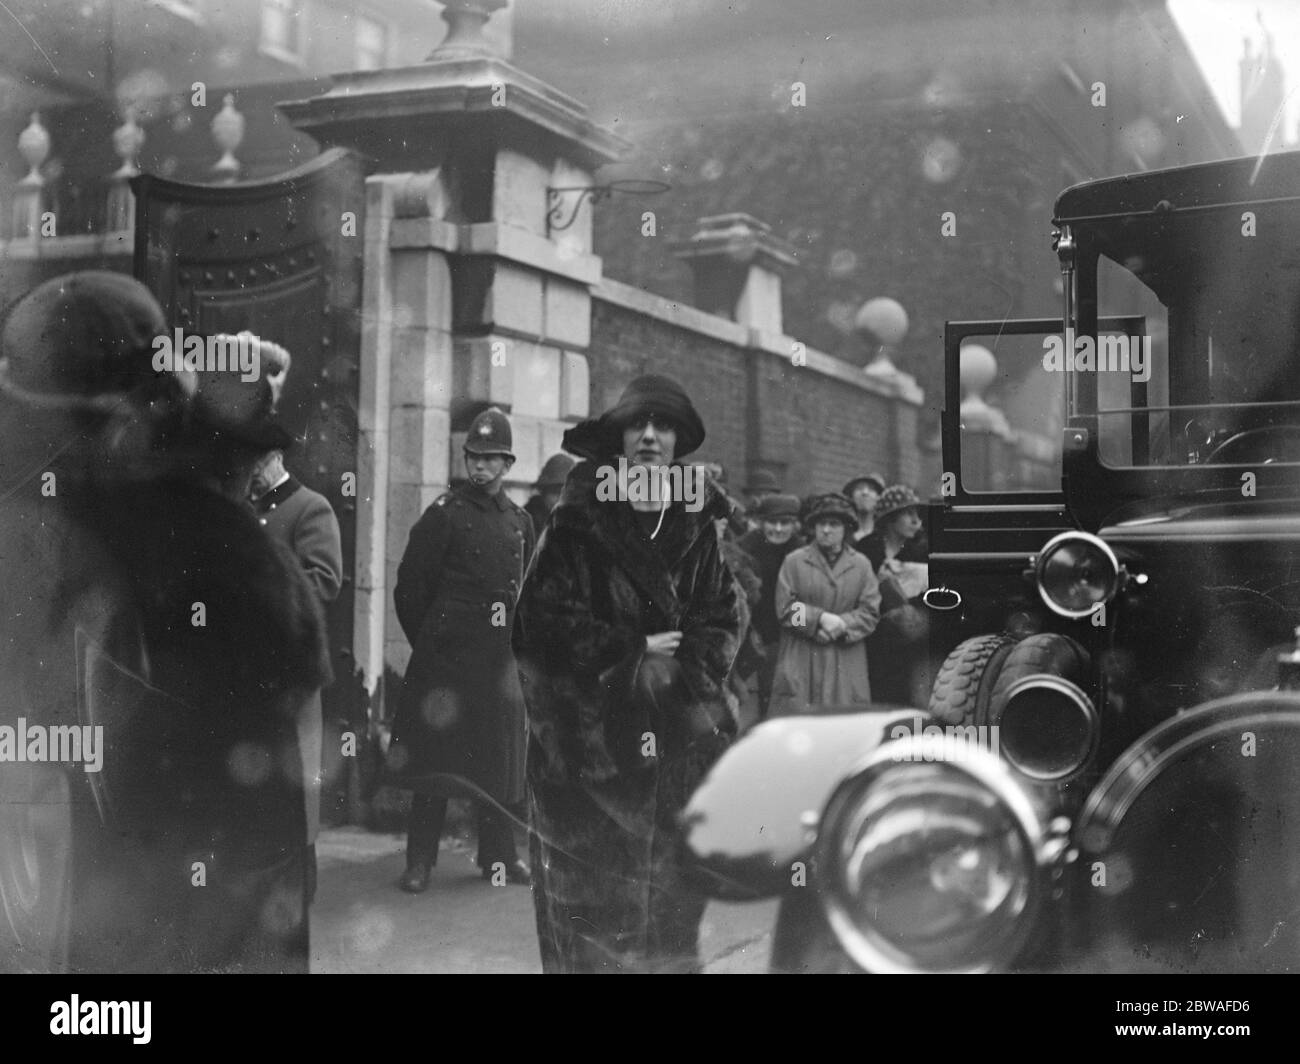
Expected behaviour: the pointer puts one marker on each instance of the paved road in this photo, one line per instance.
(361, 922)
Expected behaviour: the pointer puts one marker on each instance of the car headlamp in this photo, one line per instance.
(930, 865)
(1076, 572)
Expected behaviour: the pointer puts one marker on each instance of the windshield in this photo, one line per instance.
(1212, 375)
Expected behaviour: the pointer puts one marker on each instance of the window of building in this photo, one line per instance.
(282, 29)
(372, 44)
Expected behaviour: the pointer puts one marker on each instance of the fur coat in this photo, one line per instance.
(184, 852)
(618, 738)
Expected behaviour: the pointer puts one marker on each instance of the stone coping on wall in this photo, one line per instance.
(903, 388)
(76, 246)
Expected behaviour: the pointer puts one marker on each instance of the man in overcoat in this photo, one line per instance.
(627, 628)
(303, 520)
(460, 718)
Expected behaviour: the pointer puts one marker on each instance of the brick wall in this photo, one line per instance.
(812, 428)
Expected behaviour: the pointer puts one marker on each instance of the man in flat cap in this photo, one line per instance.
(628, 626)
(460, 718)
(142, 607)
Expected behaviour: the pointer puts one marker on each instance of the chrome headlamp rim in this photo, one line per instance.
(872, 952)
(1055, 543)
(1076, 696)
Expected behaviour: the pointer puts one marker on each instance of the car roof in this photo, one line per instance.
(1248, 180)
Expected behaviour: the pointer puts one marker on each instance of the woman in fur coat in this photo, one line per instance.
(627, 627)
(141, 598)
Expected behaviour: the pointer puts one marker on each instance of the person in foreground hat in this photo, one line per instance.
(460, 717)
(627, 628)
(137, 593)
(550, 482)
(776, 536)
(828, 602)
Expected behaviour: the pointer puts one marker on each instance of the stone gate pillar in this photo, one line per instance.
(477, 285)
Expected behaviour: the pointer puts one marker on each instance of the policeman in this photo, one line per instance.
(459, 727)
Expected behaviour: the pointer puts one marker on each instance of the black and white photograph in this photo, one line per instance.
(651, 487)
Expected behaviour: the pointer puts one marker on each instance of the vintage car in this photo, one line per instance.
(1107, 775)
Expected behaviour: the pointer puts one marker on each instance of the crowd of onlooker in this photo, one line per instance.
(833, 582)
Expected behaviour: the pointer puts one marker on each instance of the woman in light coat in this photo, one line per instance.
(828, 600)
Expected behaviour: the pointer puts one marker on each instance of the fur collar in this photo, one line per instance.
(613, 527)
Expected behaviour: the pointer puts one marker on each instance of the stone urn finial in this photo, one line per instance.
(228, 132)
(465, 21)
(978, 369)
(34, 146)
(128, 139)
(882, 323)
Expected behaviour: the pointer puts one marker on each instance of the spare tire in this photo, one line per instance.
(961, 690)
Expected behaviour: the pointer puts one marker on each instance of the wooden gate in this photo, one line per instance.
(283, 258)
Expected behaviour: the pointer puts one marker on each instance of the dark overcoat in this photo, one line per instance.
(617, 741)
(460, 718)
(304, 521)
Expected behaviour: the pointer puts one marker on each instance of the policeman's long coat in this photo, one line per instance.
(460, 717)
(607, 887)
(810, 673)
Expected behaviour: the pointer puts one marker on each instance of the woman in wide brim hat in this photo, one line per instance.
(898, 532)
(897, 652)
(828, 603)
(652, 395)
(627, 627)
(202, 637)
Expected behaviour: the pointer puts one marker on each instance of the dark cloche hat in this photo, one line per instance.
(874, 479)
(832, 506)
(770, 507)
(554, 472)
(762, 480)
(83, 339)
(652, 394)
(894, 498)
(489, 433)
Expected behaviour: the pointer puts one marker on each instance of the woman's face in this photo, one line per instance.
(778, 529)
(649, 441)
(906, 523)
(864, 498)
(829, 533)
